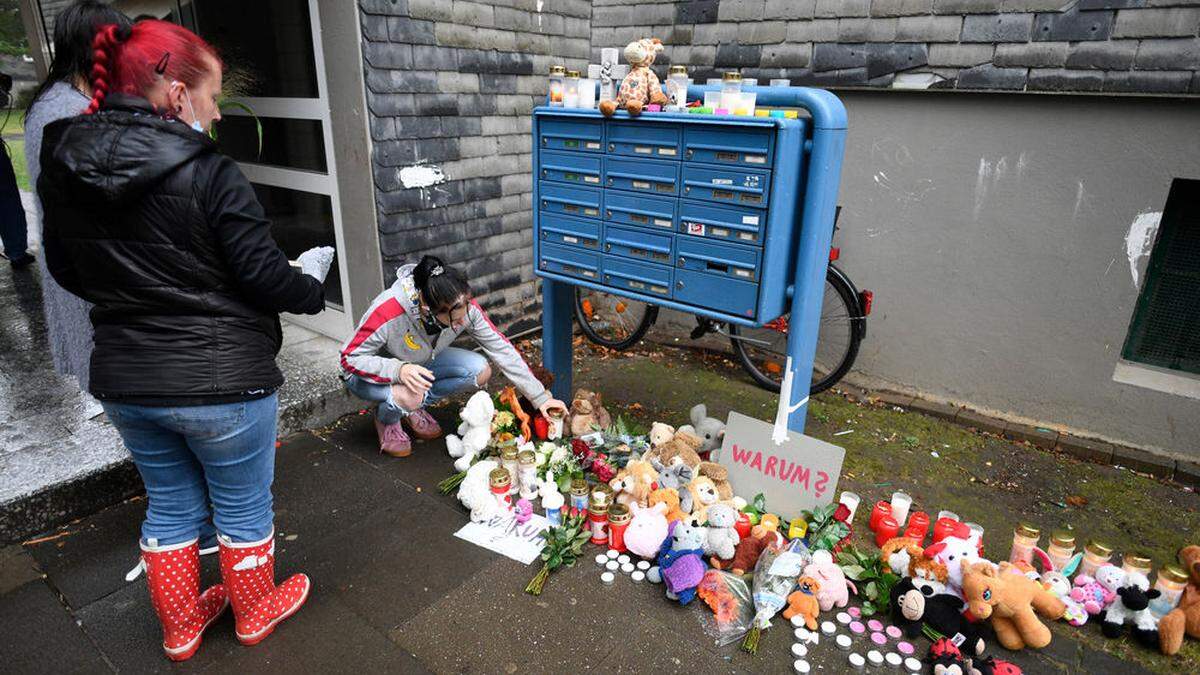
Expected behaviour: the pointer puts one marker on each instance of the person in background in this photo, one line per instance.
(65, 93)
(400, 355)
(165, 236)
(14, 230)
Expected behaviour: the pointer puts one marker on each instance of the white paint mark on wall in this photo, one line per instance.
(540, 3)
(1139, 239)
(981, 184)
(1078, 201)
(421, 176)
(1021, 164)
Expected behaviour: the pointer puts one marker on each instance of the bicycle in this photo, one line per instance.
(613, 321)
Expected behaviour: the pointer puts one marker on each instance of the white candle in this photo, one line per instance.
(851, 501)
(901, 502)
(947, 514)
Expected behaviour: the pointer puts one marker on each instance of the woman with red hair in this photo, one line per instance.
(164, 235)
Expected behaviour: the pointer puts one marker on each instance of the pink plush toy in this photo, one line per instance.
(647, 529)
(1098, 593)
(834, 590)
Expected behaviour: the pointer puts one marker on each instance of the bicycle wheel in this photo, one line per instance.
(611, 320)
(763, 351)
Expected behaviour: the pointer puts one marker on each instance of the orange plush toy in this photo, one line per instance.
(670, 498)
(1013, 601)
(641, 85)
(1184, 619)
(803, 602)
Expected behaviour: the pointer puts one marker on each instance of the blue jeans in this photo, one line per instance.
(454, 370)
(194, 456)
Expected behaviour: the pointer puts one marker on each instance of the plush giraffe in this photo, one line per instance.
(641, 85)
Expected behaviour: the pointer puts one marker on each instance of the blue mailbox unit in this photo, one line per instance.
(722, 216)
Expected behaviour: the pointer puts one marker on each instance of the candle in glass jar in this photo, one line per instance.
(527, 461)
(1095, 554)
(618, 520)
(500, 480)
(1170, 582)
(571, 89)
(901, 503)
(918, 526)
(556, 85)
(946, 527)
(881, 509)
(851, 501)
(947, 514)
(553, 503)
(510, 463)
(886, 529)
(598, 518)
(1061, 548)
(602, 496)
(976, 530)
(579, 496)
(1025, 538)
(1136, 562)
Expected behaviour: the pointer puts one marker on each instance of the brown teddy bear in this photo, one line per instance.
(1013, 601)
(669, 497)
(1185, 618)
(720, 478)
(641, 85)
(701, 493)
(804, 603)
(634, 483)
(747, 552)
(682, 445)
(587, 412)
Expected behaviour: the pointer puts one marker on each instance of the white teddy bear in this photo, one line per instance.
(476, 494)
(474, 432)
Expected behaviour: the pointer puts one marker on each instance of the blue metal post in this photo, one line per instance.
(557, 301)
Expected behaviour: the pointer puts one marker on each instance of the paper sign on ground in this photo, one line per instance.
(797, 475)
(505, 536)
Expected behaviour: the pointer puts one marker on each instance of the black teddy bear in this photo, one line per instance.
(912, 606)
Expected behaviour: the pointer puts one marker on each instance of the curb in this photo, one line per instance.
(60, 503)
(1092, 450)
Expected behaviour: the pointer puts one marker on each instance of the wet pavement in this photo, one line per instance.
(395, 589)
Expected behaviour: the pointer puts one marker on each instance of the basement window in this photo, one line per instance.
(1164, 332)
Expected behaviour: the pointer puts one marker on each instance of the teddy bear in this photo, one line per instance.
(647, 529)
(474, 432)
(669, 497)
(803, 602)
(710, 430)
(722, 537)
(674, 476)
(660, 434)
(835, 587)
(1012, 600)
(475, 492)
(699, 494)
(681, 449)
(588, 413)
(1185, 618)
(680, 562)
(746, 553)
(954, 553)
(912, 607)
(641, 85)
(634, 483)
(720, 477)
(1132, 606)
(1098, 592)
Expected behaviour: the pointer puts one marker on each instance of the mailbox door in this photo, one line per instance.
(641, 175)
(733, 145)
(715, 292)
(727, 223)
(637, 276)
(638, 244)
(575, 135)
(568, 231)
(571, 201)
(728, 260)
(660, 141)
(569, 261)
(655, 213)
(732, 185)
(570, 167)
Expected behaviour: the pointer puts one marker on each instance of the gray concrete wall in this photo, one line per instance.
(992, 229)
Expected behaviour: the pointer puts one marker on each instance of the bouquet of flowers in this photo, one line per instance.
(557, 464)
(728, 596)
(593, 461)
(774, 577)
(829, 527)
(563, 547)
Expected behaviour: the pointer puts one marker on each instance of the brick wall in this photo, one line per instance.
(451, 85)
(1127, 46)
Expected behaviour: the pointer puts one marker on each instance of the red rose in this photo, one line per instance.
(579, 448)
(604, 472)
(842, 514)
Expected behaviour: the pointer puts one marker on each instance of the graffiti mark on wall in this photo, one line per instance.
(895, 167)
(1139, 239)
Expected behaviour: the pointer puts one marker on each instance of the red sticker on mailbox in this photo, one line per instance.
(696, 229)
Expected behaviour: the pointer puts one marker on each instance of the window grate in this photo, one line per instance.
(1165, 329)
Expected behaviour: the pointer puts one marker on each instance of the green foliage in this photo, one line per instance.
(756, 508)
(874, 585)
(824, 532)
(564, 544)
(12, 32)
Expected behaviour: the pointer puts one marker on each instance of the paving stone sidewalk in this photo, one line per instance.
(394, 589)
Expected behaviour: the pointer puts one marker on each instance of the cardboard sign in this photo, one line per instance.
(797, 475)
(502, 534)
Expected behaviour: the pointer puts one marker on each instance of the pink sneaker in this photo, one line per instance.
(392, 439)
(423, 425)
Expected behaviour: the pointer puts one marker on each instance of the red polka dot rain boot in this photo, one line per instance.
(258, 604)
(173, 576)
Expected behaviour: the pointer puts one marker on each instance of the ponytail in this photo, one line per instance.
(104, 55)
(440, 285)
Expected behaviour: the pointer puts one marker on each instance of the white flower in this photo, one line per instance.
(560, 453)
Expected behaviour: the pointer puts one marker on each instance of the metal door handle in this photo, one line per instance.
(679, 284)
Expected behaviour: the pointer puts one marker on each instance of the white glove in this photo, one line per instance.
(315, 262)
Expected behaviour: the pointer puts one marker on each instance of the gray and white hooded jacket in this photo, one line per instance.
(390, 334)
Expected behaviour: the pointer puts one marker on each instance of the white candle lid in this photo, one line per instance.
(607, 577)
(843, 642)
(828, 627)
(601, 558)
(799, 649)
(627, 568)
(893, 659)
(613, 554)
(875, 658)
(801, 666)
(638, 576)
(643, 565)
(611, 566)
(857, 660)
(622, 559)
(912, 664)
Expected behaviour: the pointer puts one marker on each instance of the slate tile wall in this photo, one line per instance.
(1127, 46)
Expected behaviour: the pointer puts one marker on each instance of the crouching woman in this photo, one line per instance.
(400, 355)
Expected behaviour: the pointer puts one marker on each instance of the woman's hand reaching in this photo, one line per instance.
(553, 404)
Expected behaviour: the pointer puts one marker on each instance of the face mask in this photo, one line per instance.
(431, 324)
(195, 122)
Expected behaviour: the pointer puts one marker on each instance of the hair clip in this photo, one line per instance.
(161, 66)
(436, 271)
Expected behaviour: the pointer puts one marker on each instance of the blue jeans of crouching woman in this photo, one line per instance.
(203, 462)
(454, 370)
